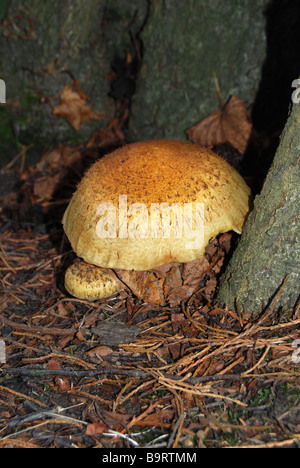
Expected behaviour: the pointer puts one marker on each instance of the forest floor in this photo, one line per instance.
(121, 373)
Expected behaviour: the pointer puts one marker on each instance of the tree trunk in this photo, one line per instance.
(269, 249)
(43, 46)
(185, 43)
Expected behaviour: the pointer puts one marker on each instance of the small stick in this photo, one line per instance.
(34, 329)
(218, 91)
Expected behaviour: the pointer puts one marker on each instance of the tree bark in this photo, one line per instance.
(269, 248)
(43, 46)
(185, 43)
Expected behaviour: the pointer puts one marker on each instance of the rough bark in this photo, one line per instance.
(42, 46)
(269, 248)
(185, 43)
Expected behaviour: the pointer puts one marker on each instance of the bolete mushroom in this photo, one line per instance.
(145, 205)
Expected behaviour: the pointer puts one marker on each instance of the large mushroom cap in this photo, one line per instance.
(111, 222)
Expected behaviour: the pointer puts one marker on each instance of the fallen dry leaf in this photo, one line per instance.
(103, 138)
(95, 428)
(144, 284)
(73, 106)
(101, 351)
(58, 158)
(52, 168)
(231, 124)
(62, 382)
(45, 186)
(173, 283)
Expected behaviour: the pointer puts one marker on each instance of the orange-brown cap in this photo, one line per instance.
(116, 217)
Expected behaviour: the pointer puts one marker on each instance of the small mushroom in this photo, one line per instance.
(88, 281)
(145, 205)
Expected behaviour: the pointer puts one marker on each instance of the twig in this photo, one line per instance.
(133, 373)
(275, 444)
(35, 329)
(192, 389)
(50, 412)
(20, 395)
(38, 372)
(15, 158)
(112, 433)
(218, 90)
(176, 430)
(258, 363)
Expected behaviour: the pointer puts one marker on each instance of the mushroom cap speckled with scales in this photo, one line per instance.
(107, 227)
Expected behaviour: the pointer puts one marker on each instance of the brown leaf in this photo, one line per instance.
(174, 349)
(173, 283)
(45, 186)
(147, 285)
(194, 270)
(180, 294)
(93, 429)
(173, 279)
(52, 168)
(58, 158)
(231, 125)
(101, 351)
(225, 241)
(73, 106)
(103, 138)
(62, 382)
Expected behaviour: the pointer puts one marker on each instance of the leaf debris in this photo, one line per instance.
(192, 369)
(230, 124)
(190, 374)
